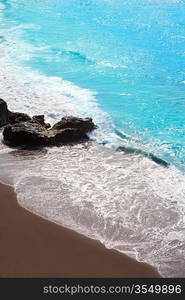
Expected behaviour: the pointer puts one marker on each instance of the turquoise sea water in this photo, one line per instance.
(130, 54)
(122, 63)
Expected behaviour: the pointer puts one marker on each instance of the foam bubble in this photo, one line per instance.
(106, 195)
(31, 92)
(127, 202)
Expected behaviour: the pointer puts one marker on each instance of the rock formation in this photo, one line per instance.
(24, 130)
(3, 113)
(16, 117)
(41, 120)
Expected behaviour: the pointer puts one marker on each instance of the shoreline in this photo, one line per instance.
(34, 247)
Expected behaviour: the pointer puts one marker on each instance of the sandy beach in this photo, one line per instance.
(34, 247)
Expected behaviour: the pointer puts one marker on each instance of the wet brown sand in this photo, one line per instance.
(33, 247)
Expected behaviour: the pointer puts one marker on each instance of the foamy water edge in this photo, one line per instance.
(126, 201)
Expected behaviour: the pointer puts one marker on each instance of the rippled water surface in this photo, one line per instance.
(122, 63)
(129, 54)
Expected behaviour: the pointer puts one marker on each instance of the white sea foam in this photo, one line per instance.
(31, 92)
(126, 201)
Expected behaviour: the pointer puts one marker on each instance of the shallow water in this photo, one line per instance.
(122, 63)
(128, 54)
(126, 201)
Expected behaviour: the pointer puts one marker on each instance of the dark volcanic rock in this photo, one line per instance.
(3, 113)
(26, 133)
(71, 129)
(23, 130)
(41, 120)
(16, 117)
(85, 124)
(67, 135)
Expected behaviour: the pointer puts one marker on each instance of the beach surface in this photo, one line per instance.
(34, 247)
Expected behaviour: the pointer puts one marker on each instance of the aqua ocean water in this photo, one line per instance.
(122, 63)
(130, 53)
